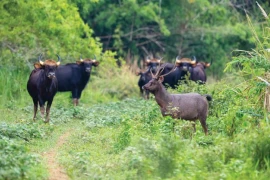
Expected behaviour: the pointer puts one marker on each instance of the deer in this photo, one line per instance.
(188, 106)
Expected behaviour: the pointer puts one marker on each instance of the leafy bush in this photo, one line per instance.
(24, 132)
(258, 146)
(16, 162)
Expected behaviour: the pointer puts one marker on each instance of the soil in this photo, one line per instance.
(56, 171)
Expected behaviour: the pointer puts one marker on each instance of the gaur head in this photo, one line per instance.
(184, 63)
(153, 63)
(87, 64)
(49, 66)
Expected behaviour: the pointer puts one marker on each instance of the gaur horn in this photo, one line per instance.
(59, 60)
(193, 62)
(177, 60)
(148, 60)
(194, 58)
(159, 60)
(39, 59)
(81, 58)
(94, 60)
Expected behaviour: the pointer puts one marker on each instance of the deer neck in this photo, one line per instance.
(163, 98)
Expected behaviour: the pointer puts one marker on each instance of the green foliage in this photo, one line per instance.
(123, 139)
(16, 162)
(210, 31)
(50, 27)
(12, 87)
(259, 148)
(22, 131)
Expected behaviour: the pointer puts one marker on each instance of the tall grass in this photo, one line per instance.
(13, 86)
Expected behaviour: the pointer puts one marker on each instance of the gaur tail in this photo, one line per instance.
(208, 97)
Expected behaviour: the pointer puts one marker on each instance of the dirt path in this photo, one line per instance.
(56, 171)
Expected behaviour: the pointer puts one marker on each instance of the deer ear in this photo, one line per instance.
(161, 79)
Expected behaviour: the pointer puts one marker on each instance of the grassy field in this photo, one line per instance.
(115, 134)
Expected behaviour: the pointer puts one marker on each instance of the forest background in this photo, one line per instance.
(132, 29)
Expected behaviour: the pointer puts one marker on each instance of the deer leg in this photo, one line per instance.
(203, 123)
(147, 94)
(194, 126)
(141, 92)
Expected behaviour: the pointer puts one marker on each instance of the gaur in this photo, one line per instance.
(179, 74)
(145, 77)
(42, 85)
(74, 77)
(197, 72)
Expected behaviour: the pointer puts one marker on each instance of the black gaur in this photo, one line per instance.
(42, 85)
(74, 77)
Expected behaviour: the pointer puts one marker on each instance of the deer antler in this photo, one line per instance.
(173, 69)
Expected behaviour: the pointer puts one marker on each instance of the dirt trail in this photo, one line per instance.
(56, 171)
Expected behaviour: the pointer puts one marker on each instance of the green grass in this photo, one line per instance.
(121, 136)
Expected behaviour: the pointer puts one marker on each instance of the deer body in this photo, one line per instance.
(189, 106)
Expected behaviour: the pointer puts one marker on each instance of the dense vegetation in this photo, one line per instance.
(115, 134)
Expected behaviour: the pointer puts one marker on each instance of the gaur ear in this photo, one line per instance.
(177, 64)
(138, 72)
(161, 79)
(79, 62)
(95, 63)
(37, 65)
(207, 64)
(194, 65)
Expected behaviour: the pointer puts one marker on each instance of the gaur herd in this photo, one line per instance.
(49, 77)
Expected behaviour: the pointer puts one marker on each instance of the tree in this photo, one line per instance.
(129, 27)
(42, 26)
(209, 30)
